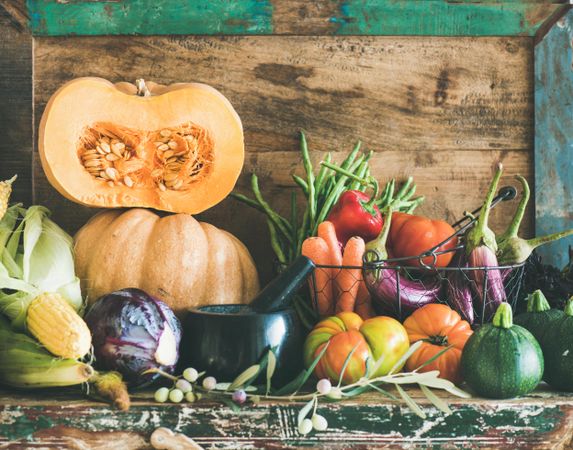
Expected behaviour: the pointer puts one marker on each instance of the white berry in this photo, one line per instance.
(323, 386)
(209, 383)
(184, 386)
(175, 396)
(319, 423)
(305, 427)
(190, 374)
(161, 395)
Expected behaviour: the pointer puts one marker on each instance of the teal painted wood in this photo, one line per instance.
(361, 17)
(53, 17)
(554, 137)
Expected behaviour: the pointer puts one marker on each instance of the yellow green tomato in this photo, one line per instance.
(367, 340)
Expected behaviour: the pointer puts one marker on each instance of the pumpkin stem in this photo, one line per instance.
(438, 340)
(503, 316)
(569, 307)
(142, 89)
(537, 302)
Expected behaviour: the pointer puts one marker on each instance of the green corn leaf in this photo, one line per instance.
(411, 403)
(271, 365)
(436, 401)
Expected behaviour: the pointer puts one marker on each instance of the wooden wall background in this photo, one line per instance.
(442, 109)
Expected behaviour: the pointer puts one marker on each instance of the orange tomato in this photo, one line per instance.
(413, 235)
(368, 340)
(438, 326)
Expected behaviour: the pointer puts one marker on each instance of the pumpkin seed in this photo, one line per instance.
(110, 184)
(111, 157)
(118, 148)
(100, 150)
(178, 184)
(93, 163)
(128, 181)
(165, 133)
(104, 175)
(91, 156)
(172, 145)
(105, 147)
(168, 154)
(163, 147)
(111, 173)
(162, 187)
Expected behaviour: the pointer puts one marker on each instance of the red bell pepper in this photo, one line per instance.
(412, 235)
(355, 214)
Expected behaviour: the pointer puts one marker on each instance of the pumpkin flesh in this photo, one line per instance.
(181, 150)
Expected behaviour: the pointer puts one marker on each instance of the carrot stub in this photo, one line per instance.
(349, 280)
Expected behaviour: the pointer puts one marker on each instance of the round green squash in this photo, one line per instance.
(557, 345)
(539, 316)
(502, 360)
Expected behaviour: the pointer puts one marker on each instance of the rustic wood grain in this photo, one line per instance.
(16, 124)
(443, 110)
(60, 418)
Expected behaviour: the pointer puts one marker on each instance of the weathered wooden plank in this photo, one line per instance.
(542, 420)
(442, 110)
(350, 17)
(16, 123)
(554, 137)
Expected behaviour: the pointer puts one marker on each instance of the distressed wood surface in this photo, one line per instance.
(16, 123)
(349, 17)
(443, 110)
(543, 420)
(554, 137)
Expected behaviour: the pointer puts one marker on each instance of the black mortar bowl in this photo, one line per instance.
(224, 340)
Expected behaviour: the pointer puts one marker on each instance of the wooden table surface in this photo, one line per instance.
(64, 419)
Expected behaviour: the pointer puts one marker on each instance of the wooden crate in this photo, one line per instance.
(438, 89)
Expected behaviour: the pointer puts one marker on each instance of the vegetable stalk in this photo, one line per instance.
(515, 250)
(481, 247)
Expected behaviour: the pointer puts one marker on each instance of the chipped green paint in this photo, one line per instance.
(438, 18)
(360, 17)
(500, 425)
(54, 17)
(554, 138)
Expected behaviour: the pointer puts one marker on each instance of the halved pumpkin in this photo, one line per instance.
(175, 148)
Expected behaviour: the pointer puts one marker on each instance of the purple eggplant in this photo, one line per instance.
(394, 294)
(481, 248)
(458, 290)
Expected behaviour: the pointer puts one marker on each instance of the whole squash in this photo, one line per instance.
(175, 258)
(176, 148)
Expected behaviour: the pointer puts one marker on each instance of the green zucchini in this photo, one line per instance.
(557, 345)
(539, 316)
(502, 360)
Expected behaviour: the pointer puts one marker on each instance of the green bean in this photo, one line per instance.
(351, 156)
(310, 177)
(404, 188)
(415, 203)
(301, 231)
(387, 194)
(361, 172)
(408, 195)
(322, 174)
(275, 244)
(256, 205)
(294, 223)
(335, 194)
(273, 216)
(303, 184)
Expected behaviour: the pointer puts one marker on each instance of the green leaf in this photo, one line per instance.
(436, 401)
(383, 391)
(305, 410)
(271, 365)
(405, 357)
(231, 404)
(440, 383)
(411, 403)
(411, 377)
(226, 386)
(376, 366)
(299, 381)
(356, 391)
(244, 377)
(345, 365)
(433, 358)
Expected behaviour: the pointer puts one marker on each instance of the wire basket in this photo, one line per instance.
(396, 287)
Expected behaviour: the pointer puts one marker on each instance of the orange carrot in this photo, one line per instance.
(349, 279)
(316, 249)
(327, 232)
(363, 306)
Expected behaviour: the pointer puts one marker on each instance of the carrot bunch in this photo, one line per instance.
(337, 284)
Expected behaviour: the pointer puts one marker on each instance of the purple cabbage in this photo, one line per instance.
(133, 332)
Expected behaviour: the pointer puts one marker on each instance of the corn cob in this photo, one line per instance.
(25, 364)
(58, 327)
(5, 191)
